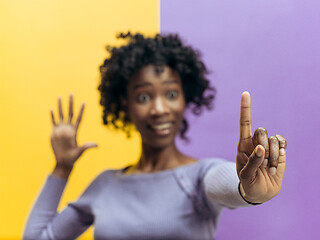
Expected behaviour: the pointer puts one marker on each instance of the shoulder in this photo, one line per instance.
(93, 191)
(103, 178)
(99, 183)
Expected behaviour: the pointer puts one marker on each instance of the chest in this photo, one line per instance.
(143, 210)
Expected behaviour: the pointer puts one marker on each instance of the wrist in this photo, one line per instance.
(244, 197)
(62, 171)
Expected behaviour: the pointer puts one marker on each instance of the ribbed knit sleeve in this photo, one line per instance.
(44, 209)
(45, 223)
(221, 186)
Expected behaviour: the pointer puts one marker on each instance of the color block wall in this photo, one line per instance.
(49, 49)
(272, 49)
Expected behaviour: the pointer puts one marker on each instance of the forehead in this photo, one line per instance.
(154, 74)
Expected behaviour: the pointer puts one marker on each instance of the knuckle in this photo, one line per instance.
(279, 136)
(273, 139)
(63, 132)
(273, 162)
(245, 122)
(274, 143)
(282, 140)
(262, 130)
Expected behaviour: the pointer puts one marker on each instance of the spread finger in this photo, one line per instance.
(60, 110)
(52, 118)
(76, 125)
(70, 108)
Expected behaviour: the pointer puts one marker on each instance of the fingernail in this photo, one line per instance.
(282, 151)
(259, 152)
(273, 170)
(265, 162)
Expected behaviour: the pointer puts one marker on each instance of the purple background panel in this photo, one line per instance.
(272, 49)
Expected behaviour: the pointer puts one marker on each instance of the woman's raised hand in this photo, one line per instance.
(64, 140)
(260, 160)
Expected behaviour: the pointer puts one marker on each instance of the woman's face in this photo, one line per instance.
(156, 104)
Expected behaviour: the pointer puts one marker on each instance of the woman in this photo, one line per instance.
(149, 83)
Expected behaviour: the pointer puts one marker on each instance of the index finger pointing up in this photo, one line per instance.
(245, 116)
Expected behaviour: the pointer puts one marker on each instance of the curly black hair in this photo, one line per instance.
(160, 50)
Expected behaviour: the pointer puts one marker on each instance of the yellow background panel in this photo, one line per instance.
(49, 49)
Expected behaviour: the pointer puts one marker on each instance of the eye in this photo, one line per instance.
(172, 94)
(143, 98)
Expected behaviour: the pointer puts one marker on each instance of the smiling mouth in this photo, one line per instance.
(162, 129)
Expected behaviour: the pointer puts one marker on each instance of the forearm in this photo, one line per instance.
(61, 172)
(44, 209)
(221, 186)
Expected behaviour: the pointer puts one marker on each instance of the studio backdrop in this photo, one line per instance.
(269, 48)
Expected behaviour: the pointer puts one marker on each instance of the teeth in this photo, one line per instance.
(161, 126)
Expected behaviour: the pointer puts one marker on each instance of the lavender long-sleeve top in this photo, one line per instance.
(181, 203)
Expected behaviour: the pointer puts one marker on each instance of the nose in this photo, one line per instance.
(159, 107)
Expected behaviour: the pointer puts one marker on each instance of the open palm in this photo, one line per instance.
(64, 137)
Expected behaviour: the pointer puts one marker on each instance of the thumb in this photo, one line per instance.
(87, 146)
(248, 173)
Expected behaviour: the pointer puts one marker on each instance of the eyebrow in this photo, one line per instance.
(171, 82)
(145, 84)
(140, 85)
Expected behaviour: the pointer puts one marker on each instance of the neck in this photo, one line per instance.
(154, 160)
